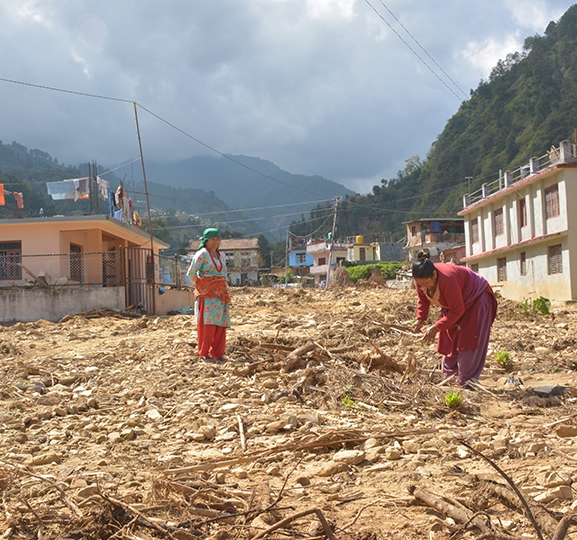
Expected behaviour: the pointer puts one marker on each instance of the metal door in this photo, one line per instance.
(138, 278)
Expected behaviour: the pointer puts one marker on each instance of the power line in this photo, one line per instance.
(190, 226)
(96, 96)
(413, 51)
(231, 210)
(423, 49)
(66, 91)
(224, 155)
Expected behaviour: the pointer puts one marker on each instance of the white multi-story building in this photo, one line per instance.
(521, 230)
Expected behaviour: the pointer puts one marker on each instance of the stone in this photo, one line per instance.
(153, 414)
(561, 492)
(566, 431)
(331, 468)
(553, 479)
(350, 457)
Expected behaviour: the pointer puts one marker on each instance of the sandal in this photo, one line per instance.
(208, 359)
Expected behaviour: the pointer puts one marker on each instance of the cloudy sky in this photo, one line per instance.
(345, 89)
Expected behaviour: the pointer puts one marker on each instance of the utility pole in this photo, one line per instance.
(95, 186)
(286, 258)
(337, 199)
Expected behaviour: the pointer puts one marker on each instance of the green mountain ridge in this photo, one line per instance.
(528, 104)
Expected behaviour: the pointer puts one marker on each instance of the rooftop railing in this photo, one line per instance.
(565, 153)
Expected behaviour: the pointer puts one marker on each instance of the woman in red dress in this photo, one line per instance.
(468, 309)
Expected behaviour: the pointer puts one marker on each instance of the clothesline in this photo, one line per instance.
(120, 205)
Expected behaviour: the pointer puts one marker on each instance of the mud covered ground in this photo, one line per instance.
(325, 423)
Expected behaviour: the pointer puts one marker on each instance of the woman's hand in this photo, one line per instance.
(416, 326)
(430, 334)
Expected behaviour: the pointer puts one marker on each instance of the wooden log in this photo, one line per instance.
(295, 359)
(448, 509)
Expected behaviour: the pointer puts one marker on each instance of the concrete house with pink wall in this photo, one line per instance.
(50, 267)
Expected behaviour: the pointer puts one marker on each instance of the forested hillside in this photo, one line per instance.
(178, 214)
(528, 104)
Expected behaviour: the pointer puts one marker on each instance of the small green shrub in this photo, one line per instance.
(542, 305)
(389, 270)
(539, 305)
(453, 399)
(503, 358)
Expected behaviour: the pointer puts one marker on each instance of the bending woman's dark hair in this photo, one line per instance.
(423, 268)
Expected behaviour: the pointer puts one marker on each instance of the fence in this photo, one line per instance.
(172, 270)
(89, 268)
(102, 269)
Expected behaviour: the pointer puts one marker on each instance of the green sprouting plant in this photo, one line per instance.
(453, 399)
(503, 358)
(348, 401)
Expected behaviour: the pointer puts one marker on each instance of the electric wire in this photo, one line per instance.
(224, 155)
(181, 200)
(120, 167)
(43, 87)
(158, 117)
(414, 52)
(247, 220)
(423, 49)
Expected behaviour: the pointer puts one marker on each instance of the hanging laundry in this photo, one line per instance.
(19, 199)
(2, 201)
(111, 203)
(104, 187)
(74, 189)
(136, 220)
(119, 196)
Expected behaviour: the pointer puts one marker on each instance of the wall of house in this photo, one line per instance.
(391, 252)
(173, 300)
(31, 304)
(536, 282)
(534, 239)
(570, 187)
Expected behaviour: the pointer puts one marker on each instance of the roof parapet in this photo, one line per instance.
(566, 153)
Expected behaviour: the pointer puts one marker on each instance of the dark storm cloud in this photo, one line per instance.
(317, 86)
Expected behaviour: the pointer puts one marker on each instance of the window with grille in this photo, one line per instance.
(522, 213)
(499, 223)
(475, 230)
(555, 259)
(301, 257)
(502, 269)
(10, 258)
(523, 263)
(552, 201)
(322, 261)
(475, 267)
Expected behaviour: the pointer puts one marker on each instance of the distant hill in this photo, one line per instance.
(209, 187)
(244, 182)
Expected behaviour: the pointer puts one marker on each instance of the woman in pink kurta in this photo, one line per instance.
(468, 309)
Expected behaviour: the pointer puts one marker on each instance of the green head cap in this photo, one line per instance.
(208, 233)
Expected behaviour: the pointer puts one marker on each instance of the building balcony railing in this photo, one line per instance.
(566, 153)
